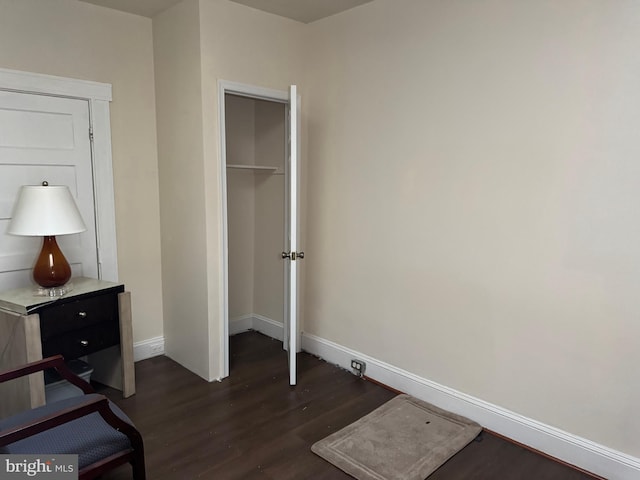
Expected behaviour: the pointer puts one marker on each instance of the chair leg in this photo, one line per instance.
(137, 466)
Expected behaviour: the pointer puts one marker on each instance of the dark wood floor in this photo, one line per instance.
(253, 425)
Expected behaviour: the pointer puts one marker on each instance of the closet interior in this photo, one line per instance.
(255, 154)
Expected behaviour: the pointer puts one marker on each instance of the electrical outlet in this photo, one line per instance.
(358, 367)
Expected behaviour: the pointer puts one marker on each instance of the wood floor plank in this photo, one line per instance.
(253, 425)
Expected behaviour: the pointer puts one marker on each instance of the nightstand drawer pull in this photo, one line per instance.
(84, 343)
(82, 314)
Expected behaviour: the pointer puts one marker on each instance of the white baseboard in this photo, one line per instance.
(559, 444)
(260, 323)
(268, 327)
(240, 324)
(148, 348)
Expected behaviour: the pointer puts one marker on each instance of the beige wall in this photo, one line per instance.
(240, 120)
(76, 40)
(473, 209)
(177, 53)
(268, 298)
(255, 135)
(240, 124)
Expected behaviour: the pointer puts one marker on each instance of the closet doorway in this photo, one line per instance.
(259, 147)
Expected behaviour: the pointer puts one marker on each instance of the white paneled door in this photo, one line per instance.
(45, 138)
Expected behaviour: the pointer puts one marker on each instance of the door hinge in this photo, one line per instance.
(91, 134)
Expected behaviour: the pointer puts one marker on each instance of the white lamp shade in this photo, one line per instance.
(45, 210)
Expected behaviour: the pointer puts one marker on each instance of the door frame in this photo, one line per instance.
(249, 91)
(98, 95)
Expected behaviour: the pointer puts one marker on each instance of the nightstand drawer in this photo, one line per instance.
(82, 341)
(80, 314)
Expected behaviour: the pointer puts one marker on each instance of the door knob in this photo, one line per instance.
(293, 255)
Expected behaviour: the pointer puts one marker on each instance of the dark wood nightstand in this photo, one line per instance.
(88, 321)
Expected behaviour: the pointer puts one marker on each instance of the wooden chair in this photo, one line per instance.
(88, 425)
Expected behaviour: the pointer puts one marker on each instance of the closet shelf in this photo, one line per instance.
(257, 168)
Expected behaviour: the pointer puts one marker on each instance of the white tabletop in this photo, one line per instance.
(25, 300)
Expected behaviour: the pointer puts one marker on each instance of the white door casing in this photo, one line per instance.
(67, 110)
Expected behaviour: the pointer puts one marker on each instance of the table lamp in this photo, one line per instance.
(47, 211)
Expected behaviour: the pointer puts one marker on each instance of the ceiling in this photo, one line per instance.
(146, 8)
(305, 11)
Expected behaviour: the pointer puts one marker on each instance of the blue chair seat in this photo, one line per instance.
(90, 437)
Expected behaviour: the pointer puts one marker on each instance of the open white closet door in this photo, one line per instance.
(292, 256)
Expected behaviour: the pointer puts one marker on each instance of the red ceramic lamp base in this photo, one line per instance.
(51, 269)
